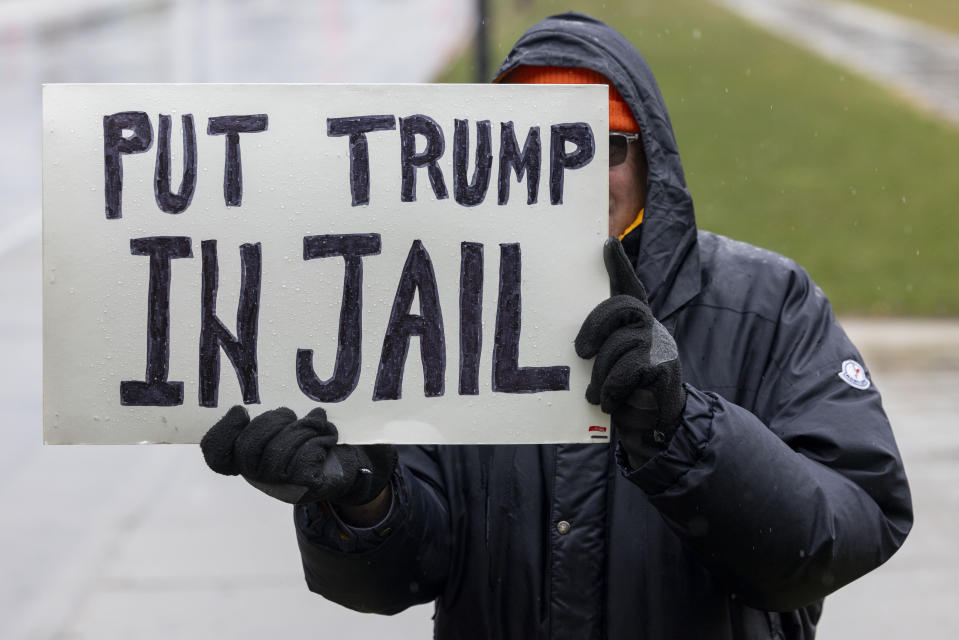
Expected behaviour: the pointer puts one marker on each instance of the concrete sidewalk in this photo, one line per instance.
(914, 594)
(900, 345)
(912, 58)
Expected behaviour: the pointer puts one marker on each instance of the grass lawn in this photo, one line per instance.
(938, 13)
(786, 151)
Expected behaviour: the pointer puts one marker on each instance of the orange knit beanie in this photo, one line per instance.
(620, 117)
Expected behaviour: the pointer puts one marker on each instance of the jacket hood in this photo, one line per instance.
(668, 259)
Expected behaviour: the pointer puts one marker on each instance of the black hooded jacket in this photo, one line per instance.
(782, 484)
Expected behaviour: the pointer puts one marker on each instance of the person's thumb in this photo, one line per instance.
(217, 444)
(622, 276)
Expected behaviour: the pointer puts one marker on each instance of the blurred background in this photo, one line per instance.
(824, 130)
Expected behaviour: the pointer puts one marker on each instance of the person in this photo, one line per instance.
(754, 472)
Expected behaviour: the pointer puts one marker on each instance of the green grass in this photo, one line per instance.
(786, 151)
(939, 13)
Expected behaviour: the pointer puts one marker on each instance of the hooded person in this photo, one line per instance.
(755, 470)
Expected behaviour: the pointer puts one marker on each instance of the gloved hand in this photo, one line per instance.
(636, 377)
(297, 461)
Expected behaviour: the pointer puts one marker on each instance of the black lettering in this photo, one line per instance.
(346, 371)
(473, 192)
(357, 128)
(410, 160)
(232, 127)
(166, 200)
(213, 334)
(417, 275)
(155, 390)
(114, 146)
(527, 162)
(508, 377)
(580, 134)
(471, 316)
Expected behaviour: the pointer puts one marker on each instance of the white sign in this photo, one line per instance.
(415, 258)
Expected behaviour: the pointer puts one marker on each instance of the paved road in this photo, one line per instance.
(914, 59)
(915, 593)
(130, 542)
(202, 41)
(138, 542)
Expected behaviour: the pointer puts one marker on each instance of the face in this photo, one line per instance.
(627, 189)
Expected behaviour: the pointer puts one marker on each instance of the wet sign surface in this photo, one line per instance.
(417, 259)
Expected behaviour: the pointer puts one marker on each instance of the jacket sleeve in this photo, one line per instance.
(407, 566)
(790, 506)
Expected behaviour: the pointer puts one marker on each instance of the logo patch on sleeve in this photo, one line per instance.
(854, 374)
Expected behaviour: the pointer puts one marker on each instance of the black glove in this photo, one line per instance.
(636, 377)
(297, 461)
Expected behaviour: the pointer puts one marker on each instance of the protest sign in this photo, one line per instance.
(415, 258)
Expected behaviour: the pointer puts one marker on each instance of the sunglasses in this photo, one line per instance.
(619, 146)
